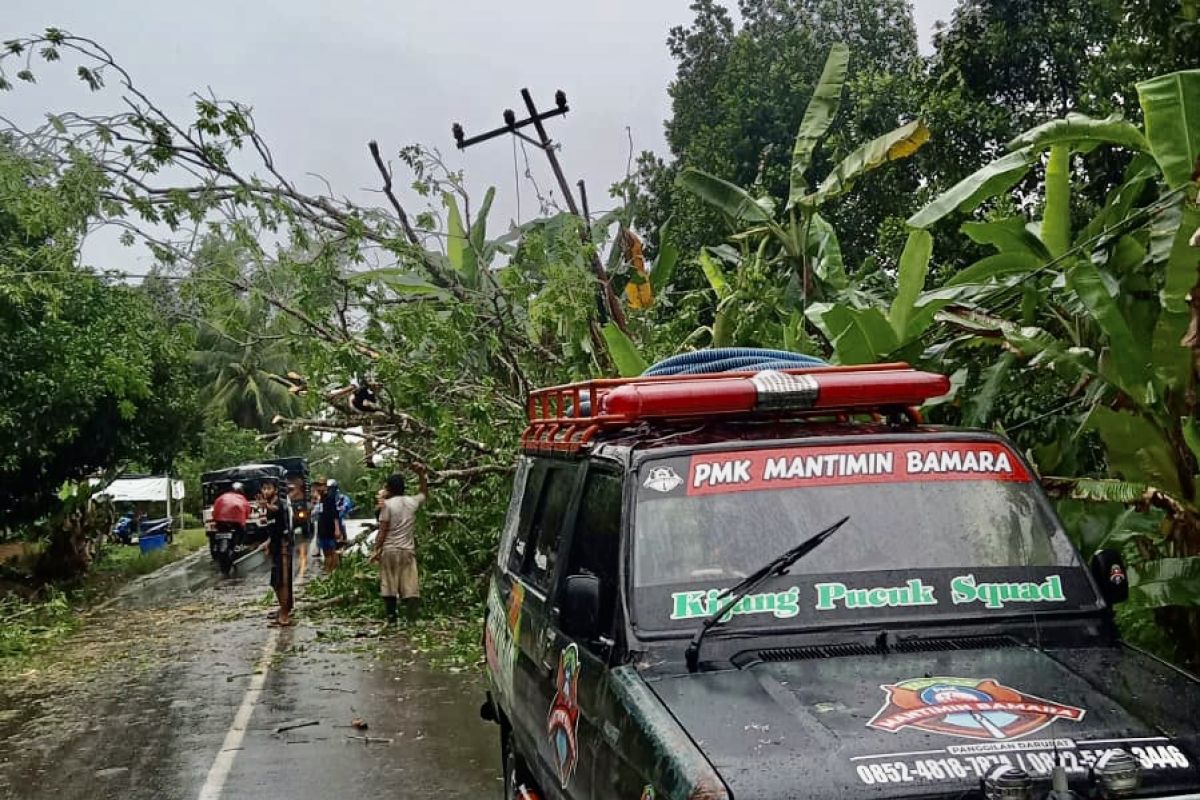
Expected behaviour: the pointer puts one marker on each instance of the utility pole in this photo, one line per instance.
(608, 300)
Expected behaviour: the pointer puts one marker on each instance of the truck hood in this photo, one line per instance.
(928, 724)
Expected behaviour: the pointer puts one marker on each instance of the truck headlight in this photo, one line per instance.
(1008, 783)
(1118, 773)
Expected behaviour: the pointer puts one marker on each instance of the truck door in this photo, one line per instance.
(534, 561)
(577, 737)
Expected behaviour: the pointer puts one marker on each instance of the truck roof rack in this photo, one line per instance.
(565, 419)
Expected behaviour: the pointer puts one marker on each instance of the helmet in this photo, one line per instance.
(332, 483)
(238, 487)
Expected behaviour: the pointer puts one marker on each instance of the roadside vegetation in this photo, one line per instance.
(1017, 210)
(32, 625)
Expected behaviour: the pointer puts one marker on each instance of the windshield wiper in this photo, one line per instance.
(777, 566)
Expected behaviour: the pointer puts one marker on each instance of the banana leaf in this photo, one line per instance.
(1135, 448)
(910, 280)
(1082, 133)
(668, 257)
(624, 354)
(1131, 361)
(858, 335)
(826, 252)
(458, 247)
(1166, 582)
(1056, 217)
(979, 408)
(398, 280)
(733, 200)
(479, 226)
(1171, 105)
(893, 146)
(1095, 525)
(991, 180)
(715, 274)
(822, 108)
(998, 265)
(1007, 235)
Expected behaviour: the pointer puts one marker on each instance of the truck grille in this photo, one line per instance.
(899, 646)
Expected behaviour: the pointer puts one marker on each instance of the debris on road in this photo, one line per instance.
(370, 739)
(358, 723)
(300, 723)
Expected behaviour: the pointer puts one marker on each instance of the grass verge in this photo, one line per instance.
(30, 627)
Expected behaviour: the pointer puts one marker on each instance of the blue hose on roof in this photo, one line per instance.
(732, 359)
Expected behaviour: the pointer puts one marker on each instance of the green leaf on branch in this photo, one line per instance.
(624, 354)
(822, 108)
(992, 180)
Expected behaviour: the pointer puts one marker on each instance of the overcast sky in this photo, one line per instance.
(324, 78)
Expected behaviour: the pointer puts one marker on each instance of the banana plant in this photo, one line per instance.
(1107, 306)
(867, 333)
(797, 233)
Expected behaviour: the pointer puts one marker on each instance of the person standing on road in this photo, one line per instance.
(302, 527)
(395, 546)
(279, 548)
(329, 525)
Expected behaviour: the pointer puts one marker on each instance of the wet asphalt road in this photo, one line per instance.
(182, 687)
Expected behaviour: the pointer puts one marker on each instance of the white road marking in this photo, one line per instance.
(219, 771)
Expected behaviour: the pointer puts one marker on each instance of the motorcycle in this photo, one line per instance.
(223, 545)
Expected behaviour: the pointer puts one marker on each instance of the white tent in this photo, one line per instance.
(144, 489)
(152, 489)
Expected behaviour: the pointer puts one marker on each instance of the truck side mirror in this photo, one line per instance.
(1108, 568)
(580, 615)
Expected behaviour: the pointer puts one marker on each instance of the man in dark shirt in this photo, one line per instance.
(279, 547)
(329, 525)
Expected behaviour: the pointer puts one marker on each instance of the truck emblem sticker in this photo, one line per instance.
(967, 707)
(563, 720)
(662, 479)
(500, 636)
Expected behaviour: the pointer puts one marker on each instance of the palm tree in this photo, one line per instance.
(240, 352)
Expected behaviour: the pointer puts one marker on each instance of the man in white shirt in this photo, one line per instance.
(395, 546)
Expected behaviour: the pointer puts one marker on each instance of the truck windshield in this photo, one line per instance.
(925, 512)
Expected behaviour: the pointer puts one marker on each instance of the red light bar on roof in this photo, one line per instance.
(774, 391)
(565, 418)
